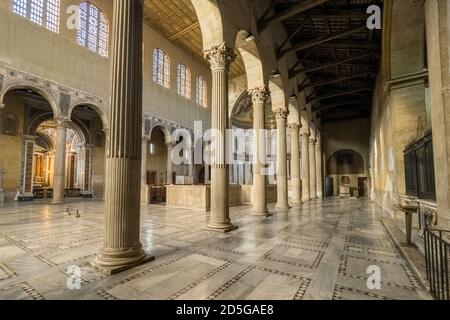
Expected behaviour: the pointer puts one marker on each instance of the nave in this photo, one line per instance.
(321, 250)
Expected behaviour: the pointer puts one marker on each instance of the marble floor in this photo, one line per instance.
(321, 250)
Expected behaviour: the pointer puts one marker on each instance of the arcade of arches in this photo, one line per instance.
(358, 124)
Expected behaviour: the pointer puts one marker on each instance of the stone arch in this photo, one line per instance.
(50, 143)
(211, 22)
(48, 96)
(312, 129)
(252, 59)
(294, 115)
(81, 130)
(346, 161)
(36, 121)
(165, 130)
(277, 94)
(99, 110)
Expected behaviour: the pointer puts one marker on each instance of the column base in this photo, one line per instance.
(222, 228)
(282, 207)
(264, 213)
(113, 263)
(296, 202)
(305, 200)
(55, 202)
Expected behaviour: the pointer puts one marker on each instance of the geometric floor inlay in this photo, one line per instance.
(319, 250)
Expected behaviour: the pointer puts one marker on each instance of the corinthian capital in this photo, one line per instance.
(62, 121)
(295, 127)
(304, 133)
(259, 94)
(281, 113)
(219, 57)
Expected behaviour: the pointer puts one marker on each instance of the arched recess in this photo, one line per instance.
(100, 112)
(52, 101)
(165, 130)
(346, 162)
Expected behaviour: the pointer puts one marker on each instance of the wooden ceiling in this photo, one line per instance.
(177, 21)
(335, 49)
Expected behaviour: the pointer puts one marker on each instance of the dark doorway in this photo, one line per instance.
(362, 187)
(329, 187)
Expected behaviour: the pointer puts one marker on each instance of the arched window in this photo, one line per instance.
(201, 92)
(43, 12)
(184, 81)
(10, 124)
(161, 68)
(93, 29)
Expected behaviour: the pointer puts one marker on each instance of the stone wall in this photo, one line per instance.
(399, 113)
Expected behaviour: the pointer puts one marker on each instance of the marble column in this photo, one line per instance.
(144, 161)
(259, 191)
(295, 164)
(220, 57)
(312, 168)
(59, 175)
(281, 115)
(145, 188)
(122, 248)
(319, 176)
(305, 165)
(170, 145)
(206, 174)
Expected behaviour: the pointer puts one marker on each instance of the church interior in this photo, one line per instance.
(347, 100)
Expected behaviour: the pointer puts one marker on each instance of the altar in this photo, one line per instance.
(344, 192)
(198, 197)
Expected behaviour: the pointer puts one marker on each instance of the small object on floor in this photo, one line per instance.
(68, 212)
(78, 215)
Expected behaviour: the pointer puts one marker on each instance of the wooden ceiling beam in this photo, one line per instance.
(330, 14)
(332, 63)
(319, 40)
(334, 80)
(184, 31)
(292, 11)
(293, 34)
(337, 104)
(365, 114)
(341, 94)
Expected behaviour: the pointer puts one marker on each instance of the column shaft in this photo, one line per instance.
(305, 166)
(259, 190)
(144, 161)
(59, 176)
(312, 168)
(319, 177)
(295, 164)
(219, 57)
(122, 248)
(170, 146)
(282, 181)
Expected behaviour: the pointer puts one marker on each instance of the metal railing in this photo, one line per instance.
(437, 253)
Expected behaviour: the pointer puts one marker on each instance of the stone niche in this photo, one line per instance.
(199, 197)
